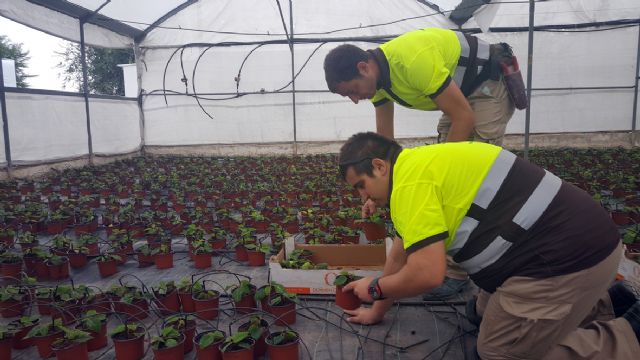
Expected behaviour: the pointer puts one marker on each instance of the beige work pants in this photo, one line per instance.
(492, 107)
(563, 317)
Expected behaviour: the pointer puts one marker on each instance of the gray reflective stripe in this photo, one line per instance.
(488, 256)
(487, 191)
(462, 234)
(464, 52)
(483, 53)
(494, 179)
(539, 200)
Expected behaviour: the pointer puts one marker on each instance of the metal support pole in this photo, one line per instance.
(85, 89)
(5, 122)
(138, 55)
(634, 116)
(527, 121)
(293, 78)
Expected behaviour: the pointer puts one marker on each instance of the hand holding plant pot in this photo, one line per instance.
(345, 297)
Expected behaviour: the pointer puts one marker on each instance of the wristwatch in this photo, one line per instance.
(375, 291)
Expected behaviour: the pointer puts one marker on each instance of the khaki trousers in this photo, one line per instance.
(563, 317)
(492, 107)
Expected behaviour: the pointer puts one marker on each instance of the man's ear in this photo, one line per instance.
(380, 166)
(363, 67)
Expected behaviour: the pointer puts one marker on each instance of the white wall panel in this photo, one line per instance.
(46, 127)
(115, 126)
(3, 157)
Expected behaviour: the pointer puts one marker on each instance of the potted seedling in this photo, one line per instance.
(258, 329)
(206, 301)
(245, 236)
(283, 345)
(207, 345)
(58, 267)
(108, 264)
(185, 293)
(20, 328)
(10, 264)
(134, 303)
(89, 241)
(163, 256)
(128, 341)
(218, 238)
(44, 335)
(186, 325)
(256, 253)
(78, 256)
(72, 345)
(276, 300)
(13, 301)
(374, 227)
(243, 296)
(145, 258)
(26, 240)
(168, 344)
(166, 297)
(240, 344)
(202, 253)
(96, 325)
(346, 300)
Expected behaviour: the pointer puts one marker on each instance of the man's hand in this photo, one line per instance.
(364, 316)
(368, 209)
(360, 288)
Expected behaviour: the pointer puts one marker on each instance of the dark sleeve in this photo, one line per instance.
(380, 102)
(426, 242)
(441, 88)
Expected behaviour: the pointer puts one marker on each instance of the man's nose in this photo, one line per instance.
(354, 98)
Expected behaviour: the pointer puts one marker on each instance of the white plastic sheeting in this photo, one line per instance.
(50, 127)
(115, 126)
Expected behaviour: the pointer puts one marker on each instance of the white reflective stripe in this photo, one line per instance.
(464, 45)
(462, 234)
(488, 256)
(539, 200)
(459, 76)
(494, 179)
(483, 50)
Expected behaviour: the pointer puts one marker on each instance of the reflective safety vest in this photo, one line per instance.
(474, 254)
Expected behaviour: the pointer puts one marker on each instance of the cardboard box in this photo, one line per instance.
(362, 260)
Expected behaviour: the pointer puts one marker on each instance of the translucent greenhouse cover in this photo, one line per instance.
(220, 71)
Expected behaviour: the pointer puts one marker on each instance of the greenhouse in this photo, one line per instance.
(223, 205)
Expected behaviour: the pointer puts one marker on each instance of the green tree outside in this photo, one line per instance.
(10, 50)
(103, 75)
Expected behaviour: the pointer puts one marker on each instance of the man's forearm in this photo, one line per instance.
(395, 261)
(461, 129)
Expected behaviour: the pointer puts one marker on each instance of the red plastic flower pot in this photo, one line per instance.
(207, 308)
(211, 352)
(74, 351)
(283, 352)
(138, 310)
(218, 244)
(67, 312)
(78, 261)
(43, 344)
(94, 249)
(186, 301)
(59, 271)
(19, 341)
(347, 300)
(5, 348)
(98, 339)
(144, 260)
(12, 308)
(256, 258)
(189, 332)
(128, 349)
(172, 353)
(164, 261)
(286, 313)
(260, 346)
(44, 306)
(11, 270)
(239, 354)
(247, 304)
(169, 303)
(374, 231)
(241, 253)
(202, 261)
(107, 268)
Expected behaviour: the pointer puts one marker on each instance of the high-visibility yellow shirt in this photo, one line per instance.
(433, 187)
(420, 62)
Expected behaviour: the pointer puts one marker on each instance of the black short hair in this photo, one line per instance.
(341, 64)
(362, 147)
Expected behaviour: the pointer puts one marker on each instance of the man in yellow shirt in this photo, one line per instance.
(543, 253)
(430, 69)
